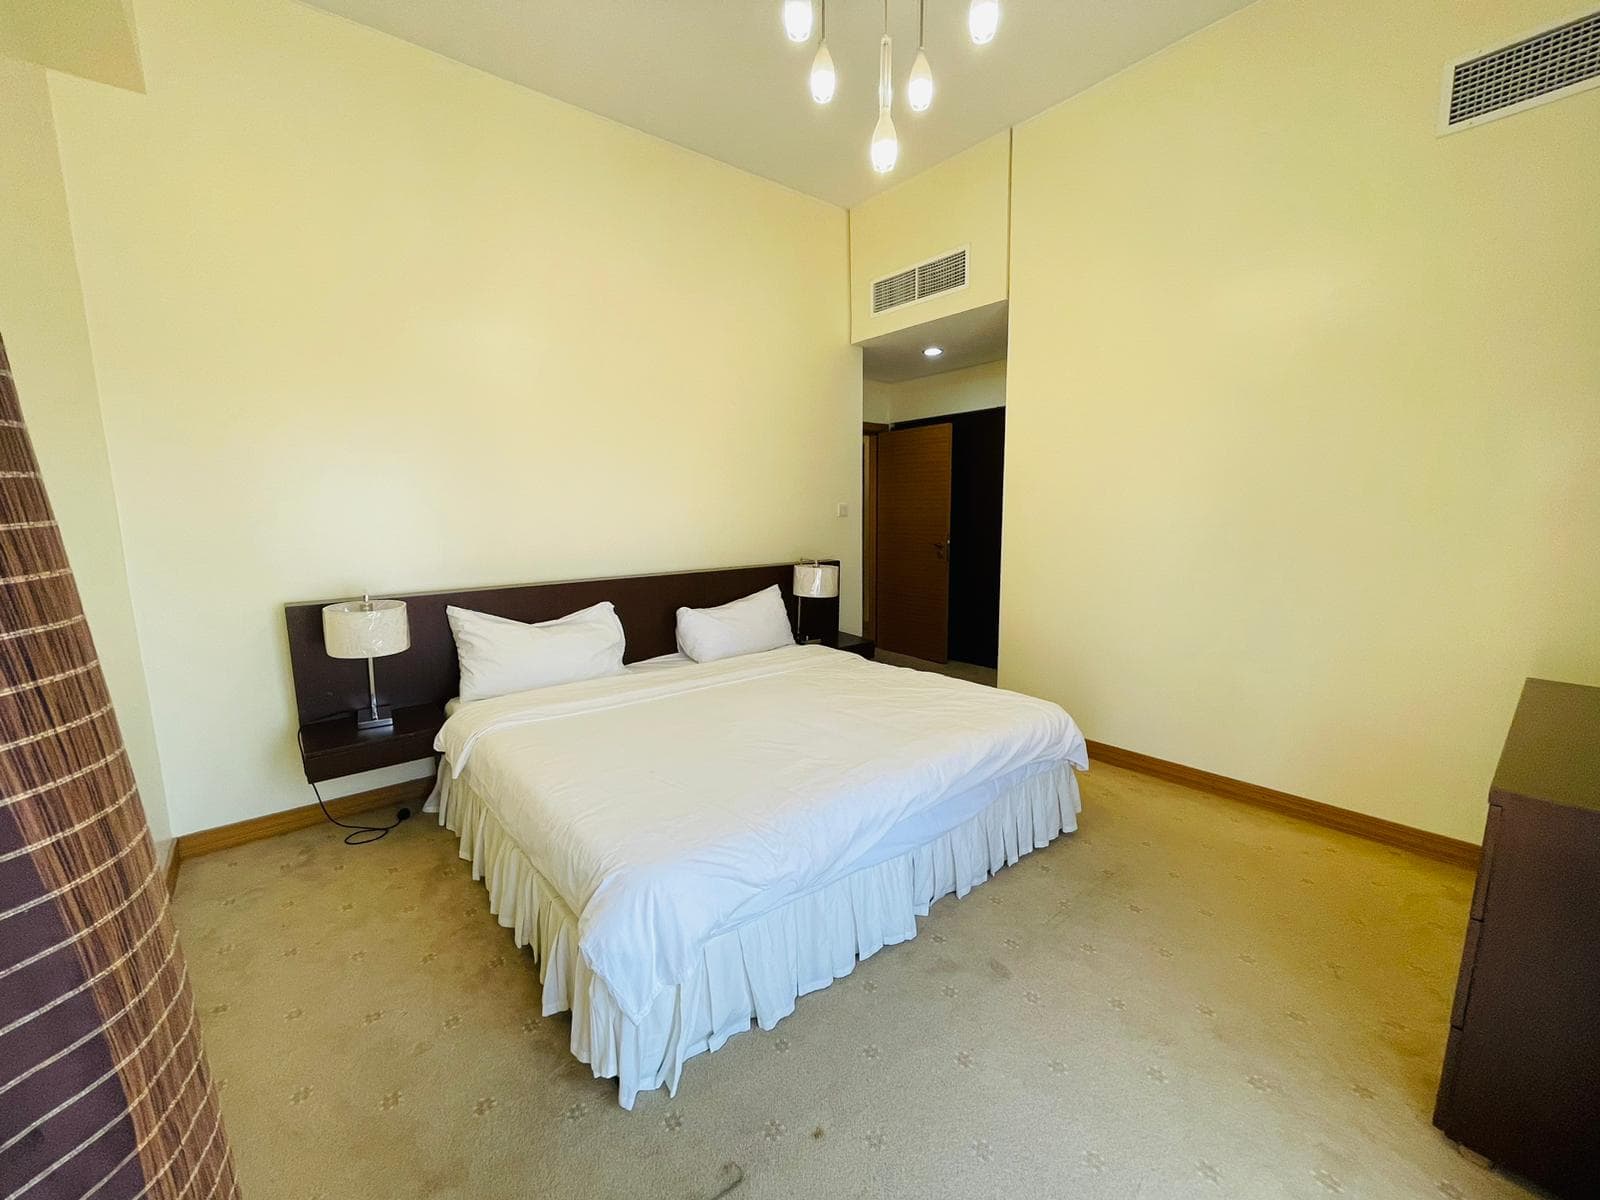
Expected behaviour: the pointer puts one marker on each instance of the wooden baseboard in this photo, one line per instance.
(226, 837)
(414, 791)
(1390, 833)
(173, 859)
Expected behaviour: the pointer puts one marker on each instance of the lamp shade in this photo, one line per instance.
(365, 628)
(816, 581)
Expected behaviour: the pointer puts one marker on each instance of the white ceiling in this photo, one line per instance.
(718, 76)
(967, 339)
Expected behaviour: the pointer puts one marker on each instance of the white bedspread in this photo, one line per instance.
(666, 807)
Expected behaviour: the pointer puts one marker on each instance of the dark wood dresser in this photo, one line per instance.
(1521, 1082)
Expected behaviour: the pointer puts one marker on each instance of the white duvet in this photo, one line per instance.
(666, 807)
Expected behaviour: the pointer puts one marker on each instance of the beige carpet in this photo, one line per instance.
(1187, 998)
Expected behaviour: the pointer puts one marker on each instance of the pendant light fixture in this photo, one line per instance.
(919, 88)
(823, 77)
(983, 18)
(797, 20)
(983, 21)
(885, 145)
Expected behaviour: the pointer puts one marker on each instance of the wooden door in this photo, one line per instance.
(913, 587)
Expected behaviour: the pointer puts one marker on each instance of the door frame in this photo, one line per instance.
(869, 526)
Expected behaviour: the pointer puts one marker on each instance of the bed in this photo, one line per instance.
(688, 848)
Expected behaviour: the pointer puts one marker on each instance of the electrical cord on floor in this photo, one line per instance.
(359, 835)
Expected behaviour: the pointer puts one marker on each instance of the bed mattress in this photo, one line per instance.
(666, 808)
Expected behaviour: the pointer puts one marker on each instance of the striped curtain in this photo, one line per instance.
(104, 1087)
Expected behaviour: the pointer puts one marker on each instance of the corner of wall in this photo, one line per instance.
(42, 313)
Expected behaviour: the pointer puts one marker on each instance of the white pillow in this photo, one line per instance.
(749, 626)
(500, 656)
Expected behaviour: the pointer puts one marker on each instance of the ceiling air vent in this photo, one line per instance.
(1541, 67)
(946, 273)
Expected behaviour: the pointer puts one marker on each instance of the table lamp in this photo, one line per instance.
(816, 580)
(369, 629)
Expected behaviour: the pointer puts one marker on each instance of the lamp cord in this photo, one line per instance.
(359, 835)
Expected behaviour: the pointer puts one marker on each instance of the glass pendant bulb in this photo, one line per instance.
(823, 77)
(983, 18)
(885, 145)
(797, 20)
(919, 89)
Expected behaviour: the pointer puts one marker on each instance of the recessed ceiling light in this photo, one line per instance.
(933, 352)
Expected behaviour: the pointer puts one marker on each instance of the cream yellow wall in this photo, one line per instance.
(961, 202)
(91, 38)
(364, 317)
(1303, 465)
(876, 402)
(41, 319)
(966, 390)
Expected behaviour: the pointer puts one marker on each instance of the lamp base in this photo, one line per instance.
(384, 719)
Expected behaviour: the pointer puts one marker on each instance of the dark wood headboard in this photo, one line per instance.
(427, 673)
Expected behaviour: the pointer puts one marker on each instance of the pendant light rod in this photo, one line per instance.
(885, 63)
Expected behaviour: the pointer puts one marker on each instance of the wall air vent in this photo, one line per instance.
(894, 290)
(947, 273)
(1541, 67)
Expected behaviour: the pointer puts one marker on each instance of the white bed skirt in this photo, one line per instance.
(757, 971)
